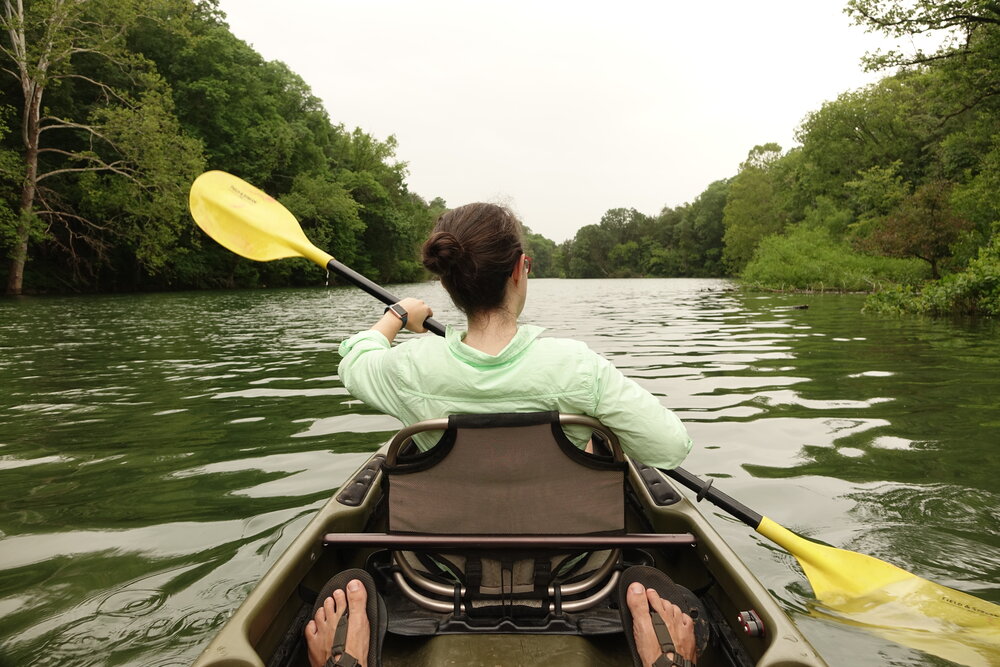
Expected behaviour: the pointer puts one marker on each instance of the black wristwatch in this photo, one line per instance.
(398, 311)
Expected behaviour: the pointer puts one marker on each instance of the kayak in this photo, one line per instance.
(371, 522)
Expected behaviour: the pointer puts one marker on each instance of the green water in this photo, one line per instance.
(157, 452)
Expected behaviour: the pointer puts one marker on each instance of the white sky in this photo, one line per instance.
(563, 110)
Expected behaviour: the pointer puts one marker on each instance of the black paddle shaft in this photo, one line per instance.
(704, 490)
(376, 291)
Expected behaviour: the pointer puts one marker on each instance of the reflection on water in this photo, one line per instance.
(157, 452)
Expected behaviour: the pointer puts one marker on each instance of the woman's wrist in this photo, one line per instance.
(389, 325)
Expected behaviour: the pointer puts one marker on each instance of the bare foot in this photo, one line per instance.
(320, 630)
(681, 627)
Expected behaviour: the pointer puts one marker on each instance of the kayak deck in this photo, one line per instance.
(268, 628)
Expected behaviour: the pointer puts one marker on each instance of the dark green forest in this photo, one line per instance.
(111, 108)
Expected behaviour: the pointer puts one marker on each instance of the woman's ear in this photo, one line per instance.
(517, 275)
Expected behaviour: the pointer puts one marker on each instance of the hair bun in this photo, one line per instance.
(442, 252)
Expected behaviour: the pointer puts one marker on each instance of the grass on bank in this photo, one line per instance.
(809, 259)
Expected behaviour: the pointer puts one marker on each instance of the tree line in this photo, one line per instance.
(112, 107)
(894, 188)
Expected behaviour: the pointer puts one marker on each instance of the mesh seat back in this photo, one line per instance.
(506, 475)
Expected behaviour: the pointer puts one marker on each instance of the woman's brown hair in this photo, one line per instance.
(474, 249)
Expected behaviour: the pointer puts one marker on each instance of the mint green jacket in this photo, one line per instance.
(430, 377)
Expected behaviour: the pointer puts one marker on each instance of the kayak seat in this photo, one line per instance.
(505, 524)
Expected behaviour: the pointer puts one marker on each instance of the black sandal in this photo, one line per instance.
(377, 619)
(688, 602)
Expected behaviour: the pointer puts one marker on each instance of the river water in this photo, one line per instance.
(157, 452)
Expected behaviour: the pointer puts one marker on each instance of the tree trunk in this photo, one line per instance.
(19, 255)
(31, 129)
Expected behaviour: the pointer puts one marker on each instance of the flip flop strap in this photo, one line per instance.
(339, 640)
(666, 645)
(345, 660)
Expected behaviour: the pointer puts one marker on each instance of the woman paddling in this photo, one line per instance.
(498, 366)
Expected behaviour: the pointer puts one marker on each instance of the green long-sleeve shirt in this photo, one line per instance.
(430, 377)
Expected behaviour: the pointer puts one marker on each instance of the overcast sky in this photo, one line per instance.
(563, 110)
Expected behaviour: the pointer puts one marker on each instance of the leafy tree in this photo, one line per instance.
(966, 51)
(877, 125)
(923, 226)
(543, 255)
(753, 209)
(623, 224)
(876, 193)
(587, 255)
(975, 291)
(328, 214)
(106, 135)
(700, 237)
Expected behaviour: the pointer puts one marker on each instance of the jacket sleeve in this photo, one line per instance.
(365, 370)
(649, 432)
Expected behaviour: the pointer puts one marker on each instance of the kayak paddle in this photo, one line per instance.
(246, 220)
(250, 223)
(902, 606)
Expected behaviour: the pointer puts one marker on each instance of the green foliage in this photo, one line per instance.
(682, 241)
(975, 291)
(11, 174)
(328, 214)
(753, 208)
(824, 212)
(877, 126)
(976, 199)
(809, 258)
(143, 96)
(922, 225)
(906, 167)
(544, 256)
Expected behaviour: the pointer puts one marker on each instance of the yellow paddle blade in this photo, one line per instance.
(895, 603)
(926, 616)
(834, 573)
(247, 221)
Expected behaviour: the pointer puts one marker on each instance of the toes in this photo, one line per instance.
(340, 599)
(320, 616)
(637, 601)
(357, 597)
(311, 629)
(655, 602)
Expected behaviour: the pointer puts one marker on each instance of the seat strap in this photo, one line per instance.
(473, 573)
(543, 573)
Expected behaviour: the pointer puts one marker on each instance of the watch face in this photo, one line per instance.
(400, 312)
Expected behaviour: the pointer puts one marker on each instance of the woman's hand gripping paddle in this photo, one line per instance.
(247, 221)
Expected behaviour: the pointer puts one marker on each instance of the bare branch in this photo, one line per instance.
(966, 106)
(108, 91)
(63, 124)
(112, 167)
(63, 215)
